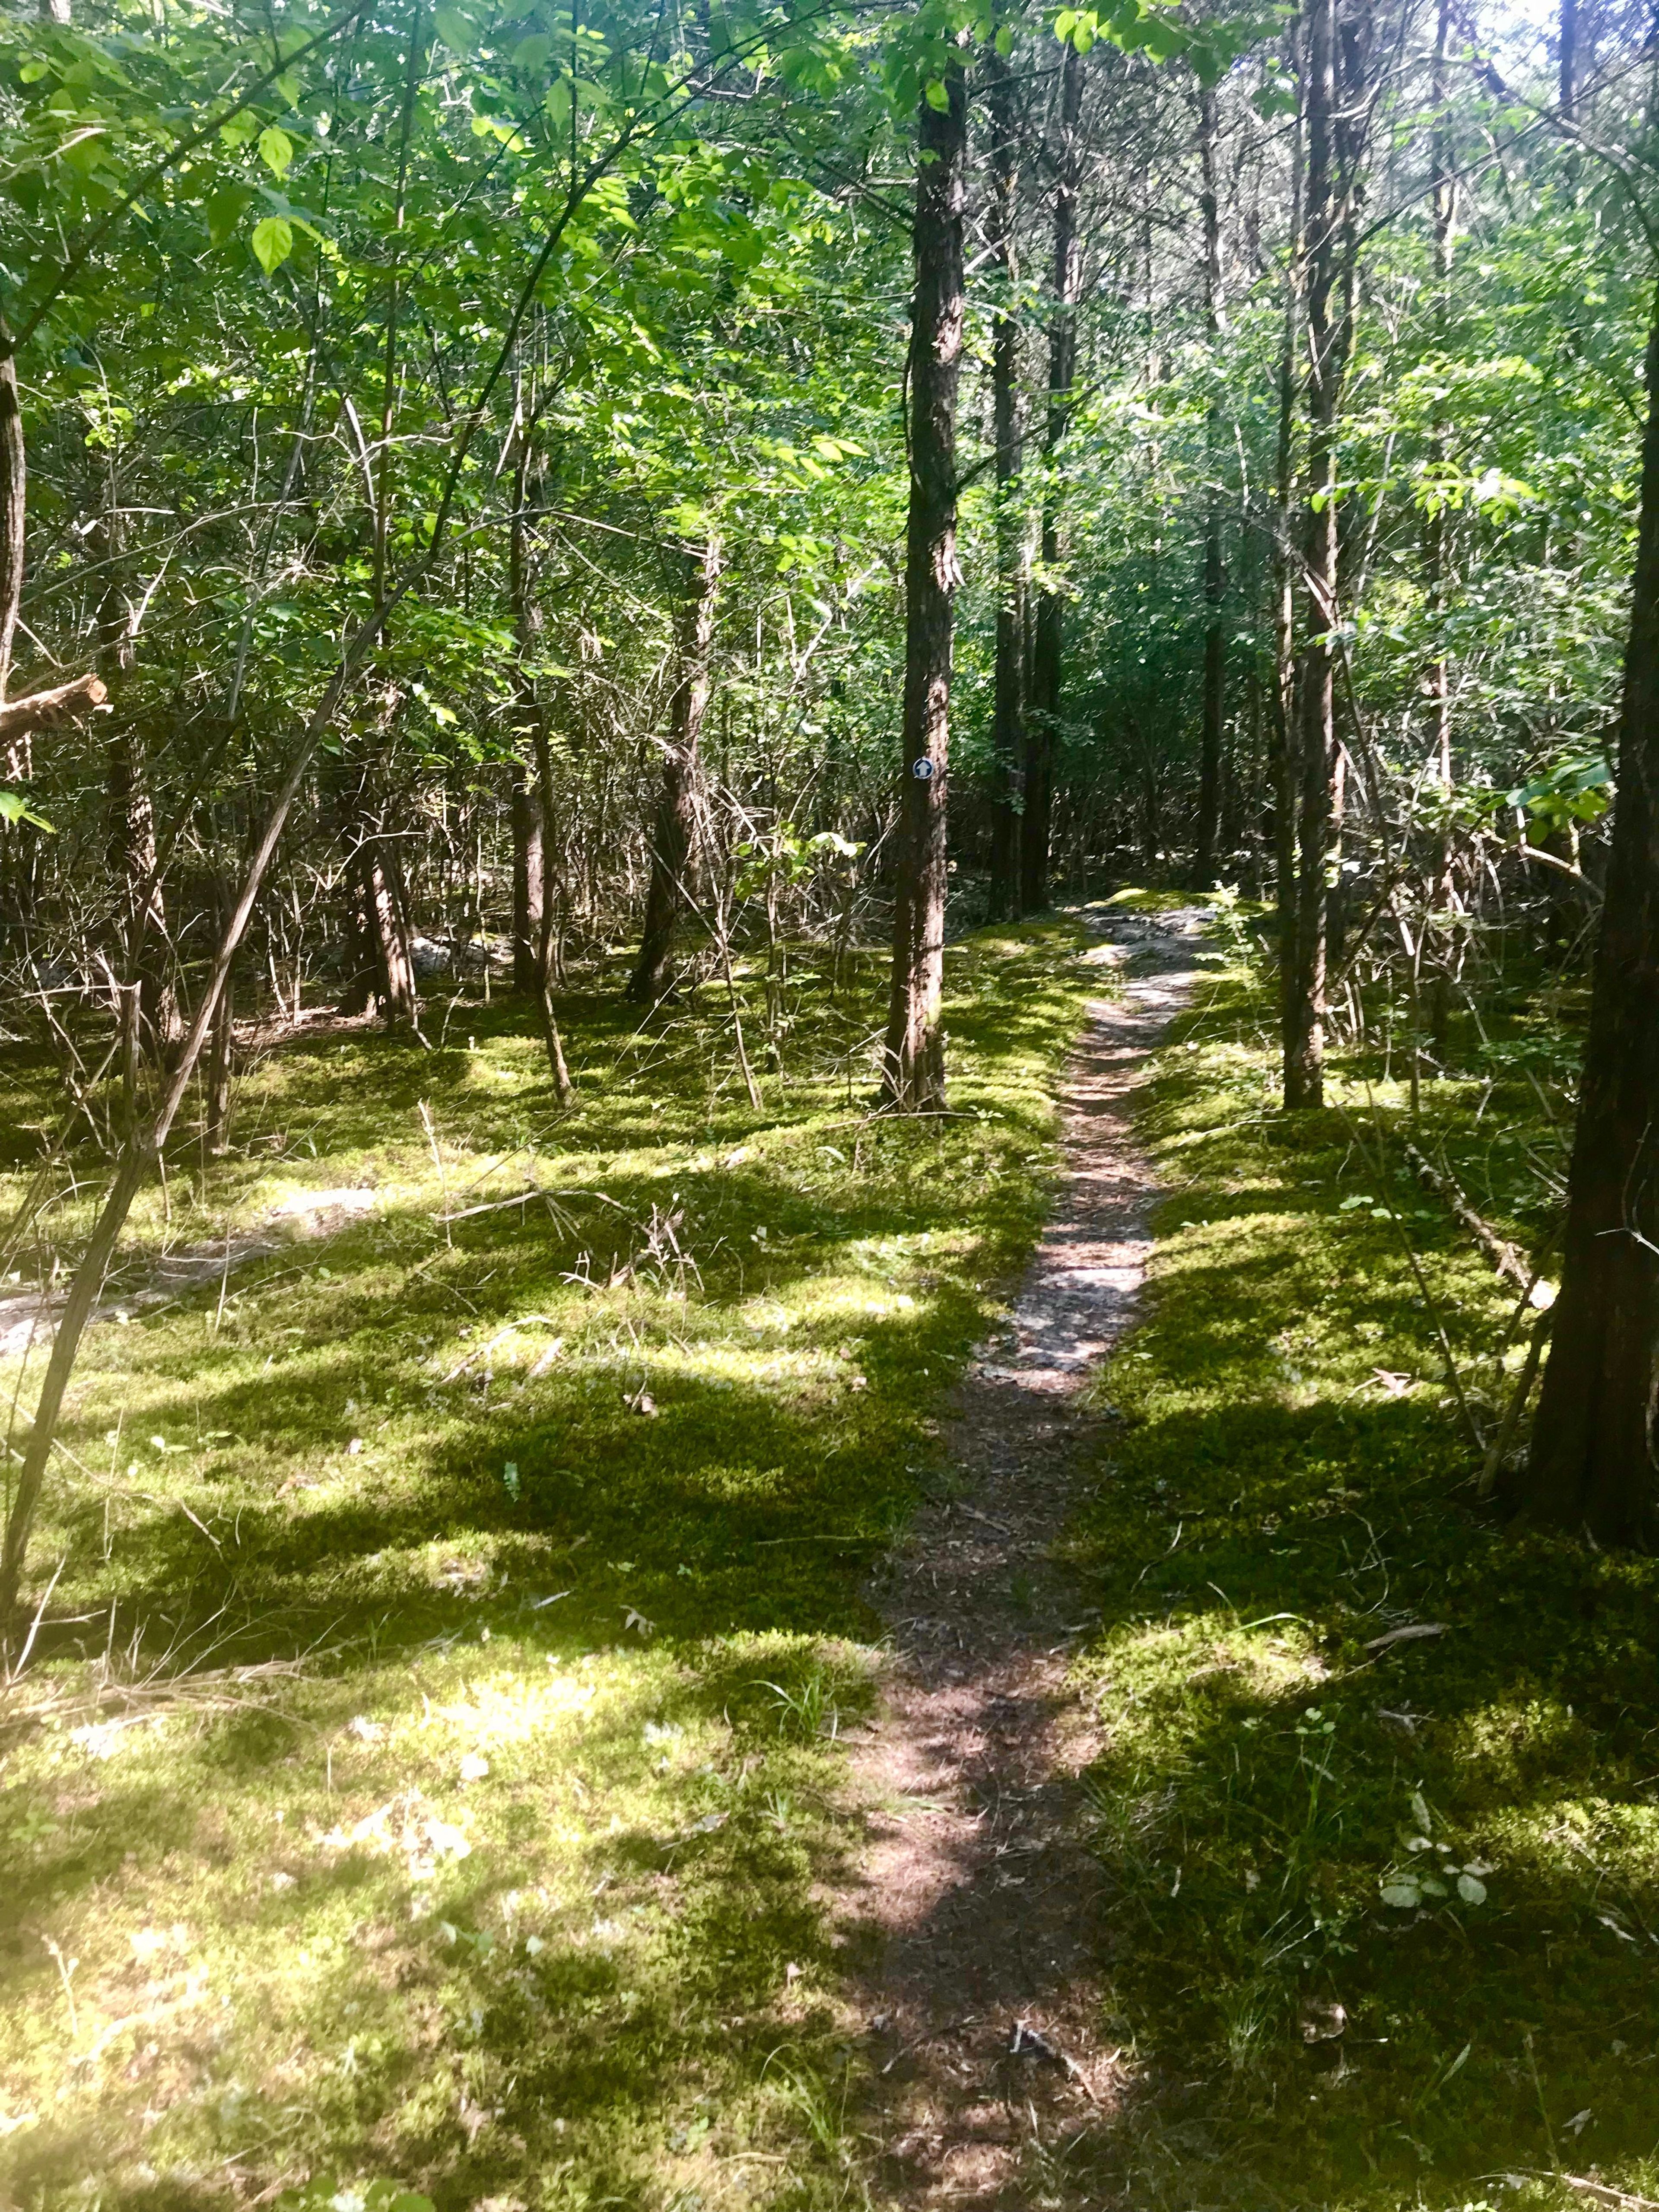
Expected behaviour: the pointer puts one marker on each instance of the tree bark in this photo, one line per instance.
(222, 1048)
(1437, 678)
(536, 889)
(1050, 641)
(47, 710)
(13, 510)
(912, 1067)
(1336, 50)
(388, 906)
(1592, 1462)
(526, 880)
(380, 958)
(1282, 705)
(1013, 563)
(1215, 665)
(133, 860)
(675, 830)
(1567, 54)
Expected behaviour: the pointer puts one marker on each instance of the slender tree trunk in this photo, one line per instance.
(536, 854)
(1050, 641)
(133, 860)
(360, 968)
(547, 924)
(222, 1045)
(1436, 681)
(675, 831)
(379, 963)
(1008, 716)
(912, 1076)
(143, 1149)
(526, 879)
(1592, 1462)
(1568, 56)
(537, 848)
(1215, 667)
(1328, 228)
(1286, 787)
(14, 509)
(388, 906)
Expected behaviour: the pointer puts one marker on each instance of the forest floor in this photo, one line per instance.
(482, 1738)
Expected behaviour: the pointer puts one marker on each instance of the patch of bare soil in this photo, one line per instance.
(978, 1909)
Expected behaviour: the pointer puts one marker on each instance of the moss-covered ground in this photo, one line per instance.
(432, 1777)
(1385, 1915)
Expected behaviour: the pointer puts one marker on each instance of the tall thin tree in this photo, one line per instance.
(1048, 644)
(912, 1067)
(1332, 104)
(1014, 562)
(675, 829)
(1215, 662)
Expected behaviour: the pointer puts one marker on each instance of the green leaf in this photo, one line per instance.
(1471, 1889)
(273, 241)
(1004, 41)
(936, 96)
(1403, 1894)
(15, 808)
(531, 53)
(225, 211)
(455, 30)
(276, 151)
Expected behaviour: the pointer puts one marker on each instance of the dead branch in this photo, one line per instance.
(46, 710)
(1509, 1262)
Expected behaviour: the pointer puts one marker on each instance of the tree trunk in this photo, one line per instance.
(1008, 714)
(1049, 643)
(1436, 677)
(526, 880)
(1568, 56)
(1215, 668)
(14, 508)
(537, 849)
(133, 860)
(548, 893)
(535, 854)
(143, 1149)
(221, 1045)
(675, 829)
(1334, 49)
(1592, 1462)
(913, 1070)
(388, 908)
(380, 965)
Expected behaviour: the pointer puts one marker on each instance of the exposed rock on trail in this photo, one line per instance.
(979, 1898)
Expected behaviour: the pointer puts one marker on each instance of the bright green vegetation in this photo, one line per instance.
(1290, 1480)
(476, 1603)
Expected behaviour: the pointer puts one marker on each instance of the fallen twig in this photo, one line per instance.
(1505, 1257)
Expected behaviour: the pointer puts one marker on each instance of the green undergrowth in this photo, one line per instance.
(1383, 1915)
(427, 1770)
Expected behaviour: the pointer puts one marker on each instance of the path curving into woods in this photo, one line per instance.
(975, 1914)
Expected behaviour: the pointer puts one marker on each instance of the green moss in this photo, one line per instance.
(1290, 1479)
(480, 1605)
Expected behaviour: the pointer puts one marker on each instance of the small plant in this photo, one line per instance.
(822, 2105)
(329, 2196)
(1426, 1880)
(809, 1709)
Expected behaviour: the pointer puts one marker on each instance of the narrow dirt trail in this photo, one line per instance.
(977, 1912)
